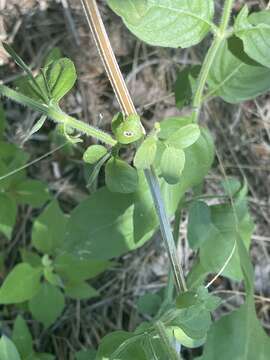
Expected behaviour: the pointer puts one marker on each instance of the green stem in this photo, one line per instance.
(57, 115)
(166, 230)
(209, 59)
(169, 291)
(165, 340)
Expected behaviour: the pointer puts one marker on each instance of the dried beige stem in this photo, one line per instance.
(107, 55)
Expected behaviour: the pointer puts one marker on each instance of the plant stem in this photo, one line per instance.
(108, 58)
(209, 59)
(165, 228)
(57, 115)
(165, 340)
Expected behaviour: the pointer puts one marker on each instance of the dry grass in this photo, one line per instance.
(242, 137)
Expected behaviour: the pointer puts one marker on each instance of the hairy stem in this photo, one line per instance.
(57, 115)
(209, 59)
(107, 55)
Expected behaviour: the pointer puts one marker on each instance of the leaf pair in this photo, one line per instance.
(173, 158)
(129, 220)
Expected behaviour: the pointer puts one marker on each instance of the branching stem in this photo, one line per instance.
(57, 115)
(106, 52)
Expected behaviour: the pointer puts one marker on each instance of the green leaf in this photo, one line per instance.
(85, 355)
(8, 350)
(127, 130)
(185, 85)
(199, 224)
(74, 270)
(52, 277)
(49, 229)
(30, 258)
(32, 192)
(194, 321)
(11, 159)
(47, 305)
(186, 299)
(236, 47)
(172, 124)
(124, 222)
(22, 337)
(36, 127)
(54, 54)
(61, 77)
(149, 304)
(8, 213)
(166, 23)
(254, 31)
(184, 137)
(81, 291)
(227, 224)
(186, 340)
(146, 153)
(21, 284)
(120, 177)
(172, 164)
(94, 153)
(238, 335)
(55, 80)
(124, 343)
(235, 81)
(43, 356)
(34, 85)
(2, 121)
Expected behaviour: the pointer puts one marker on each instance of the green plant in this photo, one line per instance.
(138, 199)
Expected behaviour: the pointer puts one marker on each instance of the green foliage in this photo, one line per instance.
(31, 192)
(8, 350)
(238, 335)
(149, 304)
(222, 225)
(94, 153)
(55, 80)
(134, 213)
(49, 229)
(120, 177)
(123, 343)
(86, 355)
(21, 284)
(199, 224)
(146, 153)
(184, 137)
(22, 337)
(8, 212)
(172, 164)
(2, 121)
(165, 23)
(254, 31)
(235, 81)
(81, 291)
(67, 251)
(47, 305)
(185, 85)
